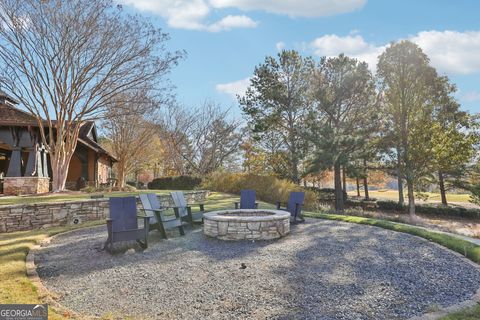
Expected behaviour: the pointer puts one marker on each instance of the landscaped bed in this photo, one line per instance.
(328, 269)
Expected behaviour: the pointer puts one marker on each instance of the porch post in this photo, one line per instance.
(15, 165)
(31, 163)
(38, 162)
(44, 162)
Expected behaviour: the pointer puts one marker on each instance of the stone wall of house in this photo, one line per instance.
(25, 185)
(44, 215)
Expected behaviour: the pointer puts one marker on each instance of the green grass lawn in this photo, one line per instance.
(466, 314)
(70, 197)
(388, 194)
(15, 287)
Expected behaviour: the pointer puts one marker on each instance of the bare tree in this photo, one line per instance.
(130, 136)
(66, 61)
(205, 138)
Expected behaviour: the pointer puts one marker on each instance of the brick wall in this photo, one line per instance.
(44, 215)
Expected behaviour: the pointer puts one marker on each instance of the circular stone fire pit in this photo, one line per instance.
(247, 224)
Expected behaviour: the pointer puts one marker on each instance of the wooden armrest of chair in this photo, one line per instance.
(201, 205)
(174, 207)
(146, 220)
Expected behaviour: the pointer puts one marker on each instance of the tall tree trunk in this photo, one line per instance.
(121, 174)
(442, 188)
(339, 206)
(365, 179)
(411, 198)
(344, 181)
(358, 187)
(294, 169)
(294, 159)
(60, 164)
(401, 199)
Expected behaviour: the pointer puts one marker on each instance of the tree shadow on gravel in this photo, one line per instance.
(375, 274)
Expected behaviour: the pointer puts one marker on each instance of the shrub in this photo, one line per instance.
(268, 188)
(431, 210)
(326, 194)
(449, 211)
(175, 183)
(390, 206)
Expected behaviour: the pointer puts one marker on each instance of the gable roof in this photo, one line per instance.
(6, 97)
(14, 117)
(11, 116)
(85, 139)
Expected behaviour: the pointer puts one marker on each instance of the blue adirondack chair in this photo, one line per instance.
(294, 205)
(247, 200)
(152, 208)
(185, 210)
(122, 225)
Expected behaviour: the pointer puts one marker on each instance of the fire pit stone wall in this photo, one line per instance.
(242, 224)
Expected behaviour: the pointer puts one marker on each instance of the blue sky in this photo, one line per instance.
(226, 39)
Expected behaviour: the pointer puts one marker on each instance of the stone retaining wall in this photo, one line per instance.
(44, 215)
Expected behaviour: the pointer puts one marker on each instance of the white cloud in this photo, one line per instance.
(190, 14)
(229, 22)
(295, 8)
(352, 45)
(233, 88)
(280, 45)
(471, 96)
(451, 52)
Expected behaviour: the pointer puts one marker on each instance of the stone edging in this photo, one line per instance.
(44, 294)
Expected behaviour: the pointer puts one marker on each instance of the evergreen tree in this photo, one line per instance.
(276, 102)
(407, 82)
(342, 115)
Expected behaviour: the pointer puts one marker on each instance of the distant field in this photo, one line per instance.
(434, 197)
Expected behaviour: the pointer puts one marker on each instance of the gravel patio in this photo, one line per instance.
(322, 270)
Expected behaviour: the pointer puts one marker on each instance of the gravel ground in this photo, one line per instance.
(323, 270)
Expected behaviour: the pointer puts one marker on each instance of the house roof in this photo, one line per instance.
(85, 139)
(4, 96)
(11, 116)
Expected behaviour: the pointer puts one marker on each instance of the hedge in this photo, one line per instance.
(325, 194)
(268, 188)
(175, 183)
(431, 210)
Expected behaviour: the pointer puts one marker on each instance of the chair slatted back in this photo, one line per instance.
(147, 205)
(180, 202)
(247, 199)
(295, 197)
(123, 211)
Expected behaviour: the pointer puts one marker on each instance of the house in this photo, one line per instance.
(24, 161)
